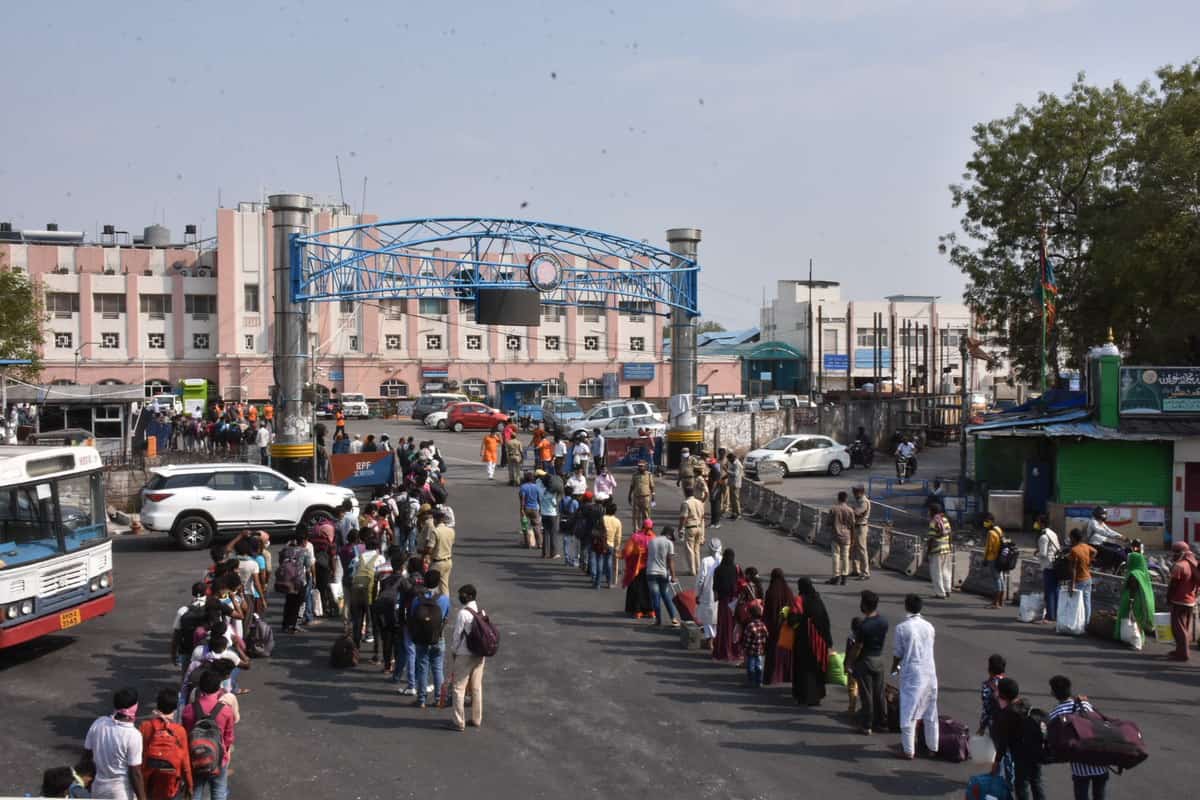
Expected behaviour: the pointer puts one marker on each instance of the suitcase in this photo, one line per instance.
(891, 699)
(685, 603)
(987, 787)
(954, 740)
(1089, 737)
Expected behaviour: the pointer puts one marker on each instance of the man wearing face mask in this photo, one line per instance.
(466, 667)
(991, 556)
(641, 494)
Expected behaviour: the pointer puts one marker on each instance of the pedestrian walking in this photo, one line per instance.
(514, 455)
(206, 718)
(860, 554)
(166, 764)
(991, 558)
(1181, 595)
(641, 494)
(868, 668)
(706, 599)
(262, 438)
(465, 666)
(549, 496)
(1090, 782)
(114, 745)
(735, 471)
(813, 639)
(842, 519)
(634, 580)
(605, 485)
(598, 448)
(691, 524)
(913, 657)
(529, 507)
(660, 571)
(1008, 736)
(777, 664)
(941, 553)
(581, 454)
(725, 585)
(489, 453)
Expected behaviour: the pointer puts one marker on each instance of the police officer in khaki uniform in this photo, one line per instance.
(691, 523)
(641, 494)
(687, 476)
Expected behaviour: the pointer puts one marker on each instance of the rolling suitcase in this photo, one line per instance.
(685, 603)
(954, 740)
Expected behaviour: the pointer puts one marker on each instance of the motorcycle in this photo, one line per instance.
(861, 454)
(906, 467)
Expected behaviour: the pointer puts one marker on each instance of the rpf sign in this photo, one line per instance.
(362, 469)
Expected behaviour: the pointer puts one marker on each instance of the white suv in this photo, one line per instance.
(354, 406)
(198, 503)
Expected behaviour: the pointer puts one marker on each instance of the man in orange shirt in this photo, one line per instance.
(489, 452)
(166, 765)
(546, 453)
(1081, 556)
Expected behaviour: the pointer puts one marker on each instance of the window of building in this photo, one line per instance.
(354, 343)
(591, 387)
(554, 387)
(392, 341)
(866, 337)
(433, 341)
(200, 306)
(157, 386)
(433, 307)
(393, 309)
(553, 342)
(637, 344)
(393, 387)
(466, 308)
(64, 341)
(109, 306)
(474, 387)
(156, 341)
(345, 307)
(553, 313)
(592, 312)
(953, 337)
(474, 341)
(635, 310)
(512, 342)
(248, 341)
(591, 343)
(110, 341)
(910, 337)
(250, 298)
(155, 306)
(62, 304)
(200, 341)
(830, 340)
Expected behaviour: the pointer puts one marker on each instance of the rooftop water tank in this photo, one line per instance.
(156, 236)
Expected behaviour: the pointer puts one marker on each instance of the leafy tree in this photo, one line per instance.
(22, 314)
(702, 326)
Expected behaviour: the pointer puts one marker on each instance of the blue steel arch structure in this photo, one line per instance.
(453, 257)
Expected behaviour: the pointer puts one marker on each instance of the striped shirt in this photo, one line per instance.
(1078, 770)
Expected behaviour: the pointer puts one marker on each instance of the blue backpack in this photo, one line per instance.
(987, 787)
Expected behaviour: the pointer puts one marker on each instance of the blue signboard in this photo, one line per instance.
(639, 371)
(864, 358)
(835, 362)
(362, 469)
(337, 375)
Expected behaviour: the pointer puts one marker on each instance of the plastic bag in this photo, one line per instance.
(835, 673)
(1072, 616)
(1032, 608)
(1131, 634)
(983, 752)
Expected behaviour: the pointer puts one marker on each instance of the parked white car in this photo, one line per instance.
(437, 419)
(800, 453)
(197, 504)
(602, 414)
(628, 427)
(354, 406)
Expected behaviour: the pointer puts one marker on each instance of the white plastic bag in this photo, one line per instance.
(1131, 634)
(982, 750)
(1032, 608)
(1072, 617)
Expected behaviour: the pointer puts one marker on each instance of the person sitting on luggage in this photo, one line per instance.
(1010, 732)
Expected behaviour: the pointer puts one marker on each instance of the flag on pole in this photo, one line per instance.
(1049, 288)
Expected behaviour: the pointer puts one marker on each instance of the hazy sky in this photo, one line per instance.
(786, 129)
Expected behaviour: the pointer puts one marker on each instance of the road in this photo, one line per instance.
(580, 700)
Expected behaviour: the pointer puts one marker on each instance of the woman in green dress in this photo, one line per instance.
(1137, 598)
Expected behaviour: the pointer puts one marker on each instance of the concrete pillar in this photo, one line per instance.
(683, 433)
(293, 450)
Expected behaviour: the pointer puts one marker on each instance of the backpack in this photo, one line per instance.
(1008, 557)
(206, 751)
(289, 577)
(483, 639)
(425, 623)
(260, 639)
(1035, 741)
(385, 603)
(162, 762)
(344, 654)
(364, 573)
(1063, 569)
(185, 637)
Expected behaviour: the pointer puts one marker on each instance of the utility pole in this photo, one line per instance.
(809, 348)
(293, 452)
(683, 431)
(964, 413)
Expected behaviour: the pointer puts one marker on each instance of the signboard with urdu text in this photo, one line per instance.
(1160, 390)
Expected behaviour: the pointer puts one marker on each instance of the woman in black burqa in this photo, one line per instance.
(810, 657)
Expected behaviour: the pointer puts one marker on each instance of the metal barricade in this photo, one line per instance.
(905, 553)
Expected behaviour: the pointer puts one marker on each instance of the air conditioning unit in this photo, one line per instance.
(148, 272)
(62, 271)
(203, 272)
(110, 272)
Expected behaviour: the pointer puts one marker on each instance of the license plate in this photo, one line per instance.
(69, 619)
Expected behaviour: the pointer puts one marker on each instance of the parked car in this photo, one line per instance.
(475, 416)
(354, 406)
(165, 404)
(603, 413)
(437, 419)
(428, 403)
(800, 453)
(631, 427)
(196, 504)
(559, 412)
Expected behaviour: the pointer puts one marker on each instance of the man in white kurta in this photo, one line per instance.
(706, 601)
(918, 678)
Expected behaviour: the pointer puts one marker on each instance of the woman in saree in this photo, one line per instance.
(637, 586)
(1137, 598)
(810, 655)
(778, 665)
(725, 587)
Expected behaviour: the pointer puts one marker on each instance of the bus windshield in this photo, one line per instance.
(48, 518)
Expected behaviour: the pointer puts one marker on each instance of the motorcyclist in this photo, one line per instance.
(862, 450)
(905, 453)
(1111, 547)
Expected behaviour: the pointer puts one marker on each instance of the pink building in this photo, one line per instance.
(151, 312)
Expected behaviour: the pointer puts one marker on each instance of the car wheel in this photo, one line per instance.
(458, 427)
(835, 468)
(194, 532)
(313, 517)
(440, 425)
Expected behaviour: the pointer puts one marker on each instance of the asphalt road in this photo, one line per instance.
(580, 700)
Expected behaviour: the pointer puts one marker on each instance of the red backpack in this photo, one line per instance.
(163, 763)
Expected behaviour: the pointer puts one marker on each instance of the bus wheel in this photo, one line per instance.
(194, 532)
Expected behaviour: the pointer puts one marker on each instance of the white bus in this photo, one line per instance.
(55, 554)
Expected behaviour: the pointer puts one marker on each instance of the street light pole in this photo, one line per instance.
(964, 412)
(77, 351)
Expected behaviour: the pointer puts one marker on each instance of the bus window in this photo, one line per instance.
(25, 533)
(79, 506)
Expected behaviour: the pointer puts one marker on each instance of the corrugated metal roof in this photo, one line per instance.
(1029, 421)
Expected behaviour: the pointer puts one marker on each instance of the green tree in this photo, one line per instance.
(702, 326)
(22, 314)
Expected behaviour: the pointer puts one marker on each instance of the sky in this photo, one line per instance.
(784, 129)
